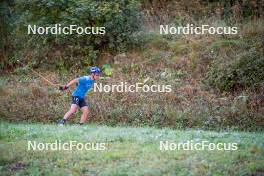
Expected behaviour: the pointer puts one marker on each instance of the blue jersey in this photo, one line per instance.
(85, 83)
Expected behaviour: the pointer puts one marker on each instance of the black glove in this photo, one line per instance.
(62, 88)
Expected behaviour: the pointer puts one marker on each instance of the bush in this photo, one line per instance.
(242, 73)
(120, 19)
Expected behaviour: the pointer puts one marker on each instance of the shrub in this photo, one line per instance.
(241, 73)
(120, 19)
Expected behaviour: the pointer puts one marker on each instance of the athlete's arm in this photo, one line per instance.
(74, 81)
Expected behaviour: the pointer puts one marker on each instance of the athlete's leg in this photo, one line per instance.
(84, 116)
(72, 110)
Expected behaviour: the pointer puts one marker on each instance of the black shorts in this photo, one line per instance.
(79, 101)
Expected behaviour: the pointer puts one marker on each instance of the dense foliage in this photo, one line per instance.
(120, 19)
(244, 72)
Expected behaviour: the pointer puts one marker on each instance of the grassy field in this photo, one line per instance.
(129, 151)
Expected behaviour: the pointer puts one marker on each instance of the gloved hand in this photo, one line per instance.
(62, 88)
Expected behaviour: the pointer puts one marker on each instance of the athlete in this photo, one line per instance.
(84, 83)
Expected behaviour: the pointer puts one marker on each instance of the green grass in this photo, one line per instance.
(130, 151)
